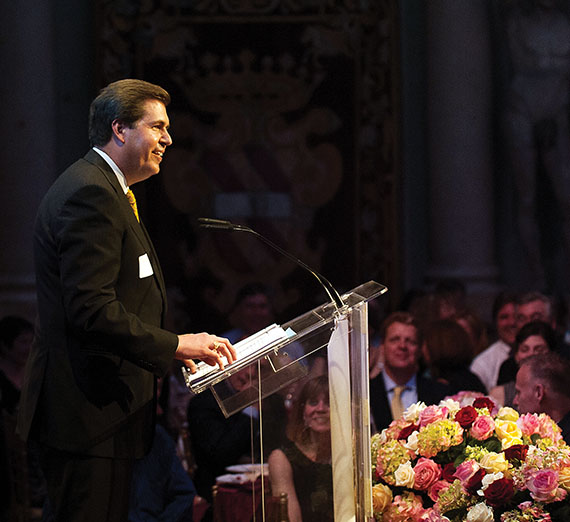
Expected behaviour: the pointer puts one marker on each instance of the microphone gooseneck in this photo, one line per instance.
(221, 224)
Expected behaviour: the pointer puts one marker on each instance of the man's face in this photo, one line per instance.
(145, 143)
(526, 397)
(507, 323)
(533, 311)
(400, 347)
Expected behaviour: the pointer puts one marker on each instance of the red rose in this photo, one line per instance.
(499, 492)
(516, 452)
(475, 482)
(484, 402)
(465, 416)
(407, 431)
(448, 472)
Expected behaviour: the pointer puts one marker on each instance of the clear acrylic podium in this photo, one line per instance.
(280, 356)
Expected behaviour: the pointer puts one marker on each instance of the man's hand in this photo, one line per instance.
(205, 347)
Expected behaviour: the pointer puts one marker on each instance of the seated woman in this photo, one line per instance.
(533, 338)
(302, 466)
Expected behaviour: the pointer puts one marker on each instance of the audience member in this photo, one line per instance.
(450, 297)
(302, 466)
(542, 387)
(486, 365)
(16, 336)
(532, 306)
(475, 327)
(534, 338)
(448, 351)
(251, 312)
(400, 384)
(161, 489)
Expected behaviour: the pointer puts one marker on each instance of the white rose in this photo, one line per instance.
(452, 405)
(480, 513)
(489, 478)
(412, 413)
(405, 475)
(412, 442)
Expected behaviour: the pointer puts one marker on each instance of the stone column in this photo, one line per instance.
(459, 101)
(28, 137)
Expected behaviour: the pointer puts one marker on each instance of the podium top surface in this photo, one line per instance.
(301, 330)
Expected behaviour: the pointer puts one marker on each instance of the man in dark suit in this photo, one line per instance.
(90, 390)
(400, 384)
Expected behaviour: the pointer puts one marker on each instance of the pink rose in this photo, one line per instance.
(432, 414)
(528, 423)
(543, 485)
(438, 487)
(466, 470)
(426, 472)
(483, 427)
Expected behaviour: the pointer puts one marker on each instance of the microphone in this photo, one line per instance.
(221, 224)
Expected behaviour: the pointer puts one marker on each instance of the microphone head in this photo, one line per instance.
(215, 223)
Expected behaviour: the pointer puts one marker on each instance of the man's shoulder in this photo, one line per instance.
(86, 172)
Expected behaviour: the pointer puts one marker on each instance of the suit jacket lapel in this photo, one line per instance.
(138, 228)
(158, 271)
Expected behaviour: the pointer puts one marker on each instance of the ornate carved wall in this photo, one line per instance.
(285, 118)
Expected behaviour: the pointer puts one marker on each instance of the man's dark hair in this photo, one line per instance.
(502, 299)
(539, 328)
(122, 100)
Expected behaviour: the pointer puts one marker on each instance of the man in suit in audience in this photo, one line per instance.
(542, 387)
(400, 383)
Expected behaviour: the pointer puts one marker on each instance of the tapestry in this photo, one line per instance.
(284, 118)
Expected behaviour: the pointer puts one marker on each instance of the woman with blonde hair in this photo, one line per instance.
(302, 466)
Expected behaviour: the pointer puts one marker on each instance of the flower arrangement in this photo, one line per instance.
(469, 462)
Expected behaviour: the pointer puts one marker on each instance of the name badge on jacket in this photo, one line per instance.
(145, 268)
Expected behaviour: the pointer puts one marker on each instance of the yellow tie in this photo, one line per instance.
(396, 405)
(133, 202)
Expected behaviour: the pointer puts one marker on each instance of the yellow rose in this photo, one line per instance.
(508, 414)
(381, 497)
(494, 462)
(507, 429)
(405, 475)
(507, 442)
(564, 478)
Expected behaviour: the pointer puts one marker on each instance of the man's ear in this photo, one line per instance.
(539, 391)
(119, 130)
